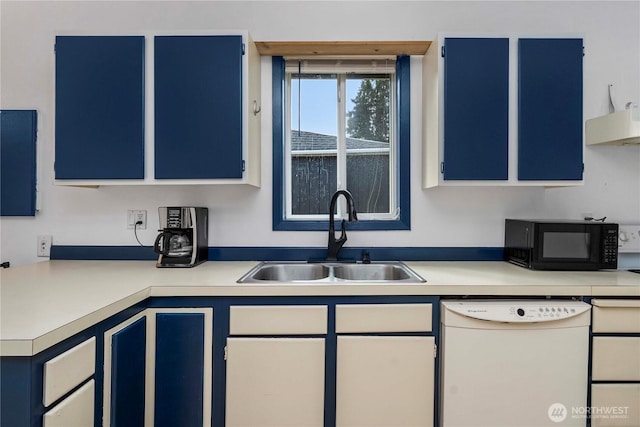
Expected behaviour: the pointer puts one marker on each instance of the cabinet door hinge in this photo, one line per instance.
(442, 51)
(243, 48)
(442, 168)
(243, 165)
(583, 54)
(435, 350)
(226, 352)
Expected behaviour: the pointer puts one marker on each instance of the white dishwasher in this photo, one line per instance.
(514, 363)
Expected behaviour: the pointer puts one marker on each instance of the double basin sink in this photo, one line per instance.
(331, 272)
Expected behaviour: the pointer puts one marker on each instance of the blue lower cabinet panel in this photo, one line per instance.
(198, 107)
(128, 360)
(99, 132)
(15, 391)
(179, 377)
(550, 122)
(476, 104)
(18, 129)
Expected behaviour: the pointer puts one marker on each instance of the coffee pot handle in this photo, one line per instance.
(161, 247)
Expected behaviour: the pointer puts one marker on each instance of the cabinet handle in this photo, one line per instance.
(256, 108)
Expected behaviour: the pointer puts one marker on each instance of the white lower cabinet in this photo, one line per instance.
(77, 410)
(616, 405)
(291, 365)
(275, 377)
(61, 375)
(275, 382)
(615, 363)
(385, 381)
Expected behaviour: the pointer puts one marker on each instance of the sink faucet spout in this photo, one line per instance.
(334, 245)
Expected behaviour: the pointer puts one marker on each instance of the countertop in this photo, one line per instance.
(44, 303)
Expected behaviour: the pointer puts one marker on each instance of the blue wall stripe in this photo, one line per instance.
(279, 253)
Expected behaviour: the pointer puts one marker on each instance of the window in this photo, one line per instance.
(341, 125)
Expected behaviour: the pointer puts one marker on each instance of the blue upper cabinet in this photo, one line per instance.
(502, 111)
(198, 107)
(18, 130)
(476, 108)
(99, 119)
(550, 109)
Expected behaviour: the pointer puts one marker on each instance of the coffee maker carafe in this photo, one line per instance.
(183, 239)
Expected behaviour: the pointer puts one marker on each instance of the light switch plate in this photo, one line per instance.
(136, 216)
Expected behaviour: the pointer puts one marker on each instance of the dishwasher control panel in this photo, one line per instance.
(518, 311)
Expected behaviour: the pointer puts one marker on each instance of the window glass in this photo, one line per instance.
(340, 135)
(319, 146)
(368, 151)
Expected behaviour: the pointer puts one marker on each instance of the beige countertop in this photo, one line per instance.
(44, 303)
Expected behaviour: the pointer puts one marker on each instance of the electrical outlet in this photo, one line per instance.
(137, 216)
(44, 245)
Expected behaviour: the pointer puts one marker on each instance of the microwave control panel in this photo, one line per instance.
(629, 238)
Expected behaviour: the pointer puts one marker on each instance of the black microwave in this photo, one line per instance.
(561, 245)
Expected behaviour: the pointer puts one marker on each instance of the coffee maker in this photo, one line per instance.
(183, 238)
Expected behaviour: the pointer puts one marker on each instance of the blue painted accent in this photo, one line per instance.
(198, 107)
(179, 369)
(403, 86)
(278, 129)
(18, 130)
(550, 109)
(99, 132)
(15, 391)
(123, 253)
(476, 104)
(403, 82)
(276, 253)
(128, 359)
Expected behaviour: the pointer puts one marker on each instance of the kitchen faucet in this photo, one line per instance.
(334, 244)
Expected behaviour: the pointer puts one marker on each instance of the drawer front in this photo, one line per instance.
(278, 320)
(616, 405)
(616, 359)
(616, 316)
(75, 410)
(67, 370)
(362, 318)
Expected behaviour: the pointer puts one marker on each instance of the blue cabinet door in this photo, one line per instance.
(179, 376)
(128, 359)
(198, 107)
(18, 131)
(99, 132)
(550, 109)
(476, 108)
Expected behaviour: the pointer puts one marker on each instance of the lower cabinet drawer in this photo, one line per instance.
(615, 405)
(362, 318)
(64, 372)
(75, 410)
(616, 359)
(616, 315)
(278, 320)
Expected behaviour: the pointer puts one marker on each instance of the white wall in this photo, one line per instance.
(241, 216)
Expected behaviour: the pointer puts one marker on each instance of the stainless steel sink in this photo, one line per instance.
(290, 272)
(330, 272)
